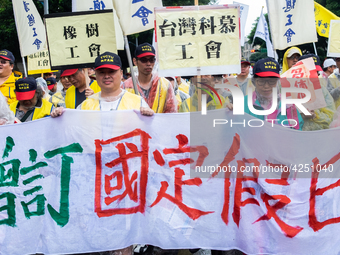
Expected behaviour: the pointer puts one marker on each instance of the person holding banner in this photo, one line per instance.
(157, 91)
(333, 84)
(290, 58)
(8, 77)
(80, 89)
(30, 105)
(266, 78)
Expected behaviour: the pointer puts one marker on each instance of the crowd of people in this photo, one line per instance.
(105, 88)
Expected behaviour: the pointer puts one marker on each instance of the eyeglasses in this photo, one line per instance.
(145, 60)
(263, 81)
(2, 61)
(294, 57)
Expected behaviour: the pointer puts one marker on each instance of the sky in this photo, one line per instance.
(255, 7)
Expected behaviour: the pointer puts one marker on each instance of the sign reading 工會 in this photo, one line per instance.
(198, 40)
(76, 39)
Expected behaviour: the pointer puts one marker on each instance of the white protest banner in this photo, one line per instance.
(333, 49)
(244, 15)
(262, 32)
(201, 40)
(90, 5)
(76, 39)
(291, 22)
(114, 176)
(136, 16)
(304, 75)
(30, 28)
(39, 63)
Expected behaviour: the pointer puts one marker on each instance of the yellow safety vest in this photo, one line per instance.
(39, 112)
(128, 101)
(70, 97)
(192, 106)
(184, 87)
(8, 87)
(57, 99)
(162, 91)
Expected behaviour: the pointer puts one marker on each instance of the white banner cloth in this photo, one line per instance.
(136, 16)
(291, 22)
(94, 181)
(30, 28)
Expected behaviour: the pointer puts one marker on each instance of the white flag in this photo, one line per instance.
(262, 32)
(30, 28)
(135, 15)
(291, 22)
(244, 15)
(90, 5)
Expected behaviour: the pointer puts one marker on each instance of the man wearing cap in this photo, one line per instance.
(333, 84)
(266, 78)
(80, 89)
(321, 118)
(329, 65)
(8, 77)
(52, 85)
(30, 105)
(157, 91)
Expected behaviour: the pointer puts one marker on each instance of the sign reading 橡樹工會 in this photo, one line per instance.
(76, 39)
(198, 40)
(114, 176)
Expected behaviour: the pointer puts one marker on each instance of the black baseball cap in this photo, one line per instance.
(245, 61)
(50, 82)
(25, 88)
(6, 54)
(144, 50)
(316, 59)
(267, 67)
(108, 60)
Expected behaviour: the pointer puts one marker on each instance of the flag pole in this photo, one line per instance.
(128, 53)
(316, 52)
(199, 91)
(24, 65)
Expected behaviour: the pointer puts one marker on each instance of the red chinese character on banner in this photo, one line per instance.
(303, 85)
(179, 173)
(297, 73)
(122, 176)
(313, 221)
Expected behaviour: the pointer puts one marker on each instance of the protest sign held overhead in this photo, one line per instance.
(76, 39)
(30, 28)
(291, 22)
(90, 5)
(333, 49)
(136, 16)
(323, 19)
(201, 40)
(39, 63)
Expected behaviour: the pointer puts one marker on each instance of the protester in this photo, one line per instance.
(180, 95)
(49, 75)
(80, 88)
(320, 118)
(30, 105)
(43, 85)
(6, 115)
(58, 98)
(51, 85)
(329, 65)
(333, 84)
(266, 77)
(214, 100)
(8, 77)
(157, 91)
(182, 85)
(290, 58)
